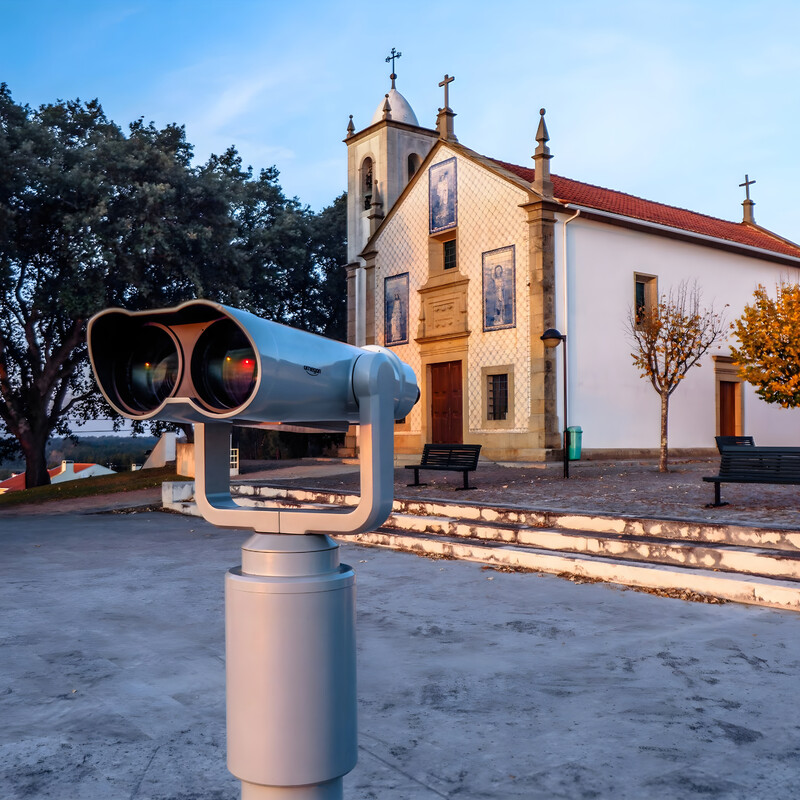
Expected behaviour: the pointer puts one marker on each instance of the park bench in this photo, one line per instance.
(749, 464)
(733, 441)
(450, 457)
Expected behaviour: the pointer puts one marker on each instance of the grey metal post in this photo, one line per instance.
(291, 668)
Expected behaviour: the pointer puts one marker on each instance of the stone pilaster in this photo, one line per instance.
(748, 217)
(352, 311)
(444, 124)
(543, 422)
(369, 296)
(376, 214)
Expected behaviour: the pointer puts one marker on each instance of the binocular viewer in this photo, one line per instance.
(205, 362)
(212, 365)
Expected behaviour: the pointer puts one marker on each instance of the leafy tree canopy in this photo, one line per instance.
(92, 217)
(769, 344)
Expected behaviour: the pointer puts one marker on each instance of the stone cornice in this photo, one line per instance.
(390, 123)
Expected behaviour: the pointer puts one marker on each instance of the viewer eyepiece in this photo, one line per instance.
(224, 366)
(146, 370)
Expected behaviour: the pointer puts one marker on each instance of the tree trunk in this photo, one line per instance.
(662, 461)
(188, 431)
(35, 462)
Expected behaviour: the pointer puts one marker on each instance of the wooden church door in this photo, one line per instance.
(447, 414)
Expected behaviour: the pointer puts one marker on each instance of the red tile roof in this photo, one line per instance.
(13, 484)
(627, 205)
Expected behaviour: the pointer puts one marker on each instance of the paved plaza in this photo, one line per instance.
(472, 683)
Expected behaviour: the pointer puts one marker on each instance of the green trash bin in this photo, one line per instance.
(575, 437)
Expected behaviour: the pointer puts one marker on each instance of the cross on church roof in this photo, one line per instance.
(391, 57)
(447, 80)
(747, 184)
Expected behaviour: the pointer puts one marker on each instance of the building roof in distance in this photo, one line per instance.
(16, 483)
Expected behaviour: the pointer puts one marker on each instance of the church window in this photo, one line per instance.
(366, 182)
(645, 295)
(497, 397)
(443, 253)
(449, 254)
(414, 163)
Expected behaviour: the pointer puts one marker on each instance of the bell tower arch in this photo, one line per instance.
(381, 159)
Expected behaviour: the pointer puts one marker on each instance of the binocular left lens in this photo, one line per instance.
(146, 375)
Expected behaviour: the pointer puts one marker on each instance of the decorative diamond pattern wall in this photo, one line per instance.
(489, 217)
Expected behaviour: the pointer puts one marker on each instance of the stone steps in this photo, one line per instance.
(734, 587)
(682, 553)
(739, 563)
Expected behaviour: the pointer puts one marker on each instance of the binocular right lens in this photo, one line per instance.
(224, 366)
(149, 373)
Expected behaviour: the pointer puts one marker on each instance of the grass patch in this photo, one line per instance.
(89, 487)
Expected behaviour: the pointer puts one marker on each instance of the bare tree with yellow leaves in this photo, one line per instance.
(669, 338)
(769, 351)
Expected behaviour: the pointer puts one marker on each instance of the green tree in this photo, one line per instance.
(769, 344)
(329, 254)
(91, 218)
(670, 338)
(294, 257)
(302, 280)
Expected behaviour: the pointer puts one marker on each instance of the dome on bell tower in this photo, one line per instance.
(381, 161)
(400, 110)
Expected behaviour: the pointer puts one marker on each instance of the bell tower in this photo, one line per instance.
(381, 160)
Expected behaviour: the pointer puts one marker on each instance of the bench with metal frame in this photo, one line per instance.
(734, 441)
(448, 457)
(749, 464)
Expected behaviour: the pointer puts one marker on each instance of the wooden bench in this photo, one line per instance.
(749, 464)
(733, 441)
(448, 457)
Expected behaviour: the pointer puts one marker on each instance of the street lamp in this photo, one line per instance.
(552, 339)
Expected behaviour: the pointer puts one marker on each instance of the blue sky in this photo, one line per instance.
(673, 101)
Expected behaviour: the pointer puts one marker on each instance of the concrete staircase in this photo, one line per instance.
(737, 563)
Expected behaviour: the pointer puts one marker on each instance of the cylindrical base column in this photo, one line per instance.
(291, 668)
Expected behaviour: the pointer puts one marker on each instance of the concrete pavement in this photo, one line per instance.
(473, 683)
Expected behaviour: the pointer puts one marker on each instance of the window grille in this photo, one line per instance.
(497, 397)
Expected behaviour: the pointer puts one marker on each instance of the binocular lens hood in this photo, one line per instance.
(203, 362)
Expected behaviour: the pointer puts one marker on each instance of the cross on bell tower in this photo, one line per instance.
(748, 204)
(391, 57)
(446, 83)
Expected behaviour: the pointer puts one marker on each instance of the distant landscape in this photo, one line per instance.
(115, 452)
(120, 452)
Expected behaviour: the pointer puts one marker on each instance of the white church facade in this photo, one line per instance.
(459, 263)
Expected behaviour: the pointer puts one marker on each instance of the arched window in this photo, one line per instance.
(366, 182)
(414, 162)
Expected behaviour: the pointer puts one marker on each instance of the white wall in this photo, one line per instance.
(68, 472)
(608, 399)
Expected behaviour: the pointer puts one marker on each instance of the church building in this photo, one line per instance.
(460, 262)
